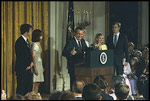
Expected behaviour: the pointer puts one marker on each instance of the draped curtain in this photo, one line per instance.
(13, 14)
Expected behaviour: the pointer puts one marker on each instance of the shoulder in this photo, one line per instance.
(123, 35)
(19, 41)
(34, 46)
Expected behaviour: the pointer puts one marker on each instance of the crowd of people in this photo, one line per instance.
(97, 90)
(131, 68)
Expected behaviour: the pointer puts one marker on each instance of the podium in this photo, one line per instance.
(100, 62)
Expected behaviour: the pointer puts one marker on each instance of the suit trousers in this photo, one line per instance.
(118, 69)
(24, 83)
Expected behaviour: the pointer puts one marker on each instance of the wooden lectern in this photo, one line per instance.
(96, 63)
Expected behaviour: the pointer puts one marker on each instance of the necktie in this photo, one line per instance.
(115, 40)
(28, 44)
(80, 47)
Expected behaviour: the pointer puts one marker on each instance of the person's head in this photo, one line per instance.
(133, 61)
(37, 35)
(16, 97)
(116, 27)
(121, 91)
(84, 34)
(141, 85)
(144, 52)
(26, 29)
(67, 96)
(99, 38)
(101, 81)
(91, 92)
(138, 54)
(33, 96)
(118, 79)
(130, 46)
(78, 87)
(79, 33)
(55, 95)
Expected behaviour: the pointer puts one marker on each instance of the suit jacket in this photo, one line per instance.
(78, 57)
(23, 56)
(106, 96)
(121, 49)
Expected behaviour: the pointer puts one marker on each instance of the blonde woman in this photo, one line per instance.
(99, 43)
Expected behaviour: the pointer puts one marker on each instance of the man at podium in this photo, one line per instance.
(119, 43)
(74, 52)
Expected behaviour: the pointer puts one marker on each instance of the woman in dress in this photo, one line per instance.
(36, 55)
(99, 43)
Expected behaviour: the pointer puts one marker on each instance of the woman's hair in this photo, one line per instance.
(96, 38)
(36, 34)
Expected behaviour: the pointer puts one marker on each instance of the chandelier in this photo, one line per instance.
(82, 18)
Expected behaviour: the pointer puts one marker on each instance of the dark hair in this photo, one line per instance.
(101, 81)
(36, 35)
(118, 79)
(16, 97)
(117, 23)
(25, 28)
(55, 95)
(141, 84)
(91, 92)
(80, 28)
(67, 96)
(121, 91)
(78, 88)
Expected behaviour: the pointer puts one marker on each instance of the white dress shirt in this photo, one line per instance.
(25, 39)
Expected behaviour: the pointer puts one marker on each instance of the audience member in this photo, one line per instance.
(77, 89)
(121, 91)
(16, 97)
(67, 96)
(127, 71)
(33, 96)
(119, 79)
(131, 49)
(91, 92)
(55, 95)
(3, 95)
(102, 83)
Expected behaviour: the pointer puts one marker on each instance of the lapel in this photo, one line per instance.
(76, 45)
(25, 43)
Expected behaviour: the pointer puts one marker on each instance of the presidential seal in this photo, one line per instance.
(103, 58)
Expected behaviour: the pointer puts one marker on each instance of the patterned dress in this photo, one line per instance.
(38, 63)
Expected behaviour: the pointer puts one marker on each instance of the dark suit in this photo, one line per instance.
(73, 59)
(120, 51)
(23, 59)
(106, 96)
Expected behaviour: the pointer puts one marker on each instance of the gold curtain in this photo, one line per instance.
(13, 14)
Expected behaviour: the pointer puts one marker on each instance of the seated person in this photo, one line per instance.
(99, 43)
(101, 81)
(116, 80)
(55, 95)
(67, 96)
(91, 92)
(121, 91)
(33, 96)
(16, 97)
(77, 89)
